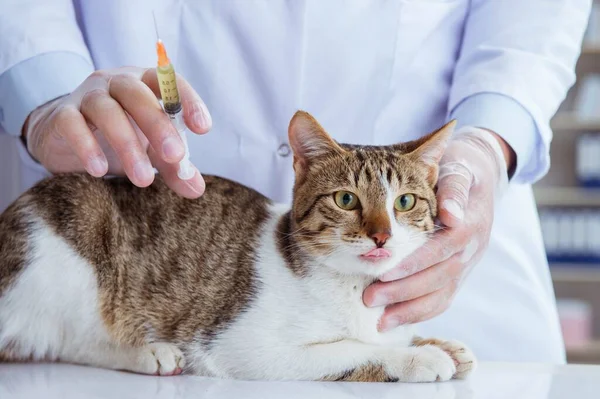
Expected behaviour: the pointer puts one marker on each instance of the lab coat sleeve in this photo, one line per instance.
(42, 56)
(516, 64)
(504, 116)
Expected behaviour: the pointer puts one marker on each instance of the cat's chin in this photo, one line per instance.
(365, 266)
(376, 267)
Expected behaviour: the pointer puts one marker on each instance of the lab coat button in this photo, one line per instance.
(284, 150)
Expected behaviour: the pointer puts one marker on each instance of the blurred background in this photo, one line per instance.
(568, 200)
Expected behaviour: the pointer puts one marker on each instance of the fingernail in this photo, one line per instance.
(142, 171)
(379, 299)
(97, 166)
(202, 117)
(172, 148)
(388, 324)
(390, 276)
(469, 251)
(454, 208)
(198, 191)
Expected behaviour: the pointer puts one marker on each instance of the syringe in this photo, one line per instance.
(171, 103)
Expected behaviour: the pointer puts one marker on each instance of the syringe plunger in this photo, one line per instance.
(186, 170)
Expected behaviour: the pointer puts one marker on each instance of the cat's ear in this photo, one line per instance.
(430, 149)
(309, 141)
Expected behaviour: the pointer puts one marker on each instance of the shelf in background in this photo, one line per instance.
(590, 49)
(566, 196)
(573, 273)
(587, 354)
(570, 121)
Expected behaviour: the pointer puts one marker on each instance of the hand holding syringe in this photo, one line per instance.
(112, 124)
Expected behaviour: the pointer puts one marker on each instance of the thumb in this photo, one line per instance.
(454, 184)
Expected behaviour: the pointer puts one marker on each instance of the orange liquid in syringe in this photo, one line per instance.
(167, 81)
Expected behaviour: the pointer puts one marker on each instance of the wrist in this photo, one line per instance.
(510, 157)
(486, 157)
(31, 121)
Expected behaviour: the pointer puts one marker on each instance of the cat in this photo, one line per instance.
(102, 273)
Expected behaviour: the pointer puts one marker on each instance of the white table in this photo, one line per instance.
(491, 381)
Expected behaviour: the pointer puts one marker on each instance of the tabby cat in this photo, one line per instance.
(102, 273)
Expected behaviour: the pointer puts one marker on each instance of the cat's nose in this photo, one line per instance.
(380, 238)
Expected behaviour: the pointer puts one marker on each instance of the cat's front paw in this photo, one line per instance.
(160, 359)
(463, 357)
(422, 364)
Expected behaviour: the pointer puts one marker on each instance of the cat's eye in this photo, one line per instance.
(405, 202)
(346, 200)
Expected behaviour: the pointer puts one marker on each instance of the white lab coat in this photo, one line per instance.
(372, 72)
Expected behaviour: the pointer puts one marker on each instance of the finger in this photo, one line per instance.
(420, 284)
(454, 185)
(108, 116)
(71, 125)
(191, 188)
(440, 247)
(140, 102)
(417, 310)
(195, 113)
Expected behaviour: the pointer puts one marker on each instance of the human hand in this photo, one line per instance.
(113, 123)
(473, 171)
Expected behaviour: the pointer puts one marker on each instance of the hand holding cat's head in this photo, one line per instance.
(362, 209)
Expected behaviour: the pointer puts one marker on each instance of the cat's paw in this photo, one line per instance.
(160, 359)
(423, 364)
(463, 358)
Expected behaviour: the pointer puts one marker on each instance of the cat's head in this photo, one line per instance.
(362, 209)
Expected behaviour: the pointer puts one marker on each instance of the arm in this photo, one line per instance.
(516, 64)
(42, 56)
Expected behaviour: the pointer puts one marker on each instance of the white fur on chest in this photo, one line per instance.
(321, 308)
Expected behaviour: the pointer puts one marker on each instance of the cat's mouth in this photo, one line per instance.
(376, 254)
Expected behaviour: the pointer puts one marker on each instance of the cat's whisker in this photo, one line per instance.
(291, 233)
(308, 246)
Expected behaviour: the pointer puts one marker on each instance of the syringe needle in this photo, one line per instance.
(155, 26)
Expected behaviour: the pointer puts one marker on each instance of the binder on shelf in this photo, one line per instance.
(572, 236)
(587, 160)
